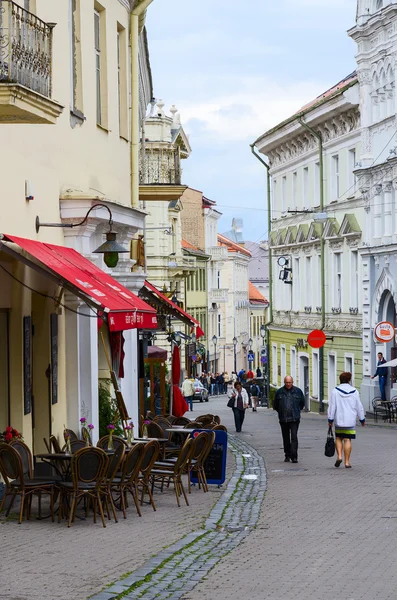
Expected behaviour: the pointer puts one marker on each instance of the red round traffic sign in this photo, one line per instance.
(316, 338)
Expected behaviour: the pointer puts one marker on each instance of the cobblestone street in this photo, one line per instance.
(306, 531)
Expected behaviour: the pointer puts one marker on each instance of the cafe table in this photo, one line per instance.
(61, 461)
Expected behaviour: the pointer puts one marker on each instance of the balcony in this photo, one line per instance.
(218, 295)
(218, 253)
(160, 174)
(25, 67)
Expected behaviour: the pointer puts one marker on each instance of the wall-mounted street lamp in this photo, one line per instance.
(235, 356)
(262, 331)
(110, 249)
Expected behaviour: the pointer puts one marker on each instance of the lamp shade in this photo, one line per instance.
(111, 249)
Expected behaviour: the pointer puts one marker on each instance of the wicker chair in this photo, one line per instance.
(219, 428)
(77, 445)
(114, 465)
(54, 444)
(128, 480)
(73, 435)
(154, 430)
(175, 475)
(150, 455)
(210, 443)
(195, 464)
(182, 421)
(89, 467)
(17, 478)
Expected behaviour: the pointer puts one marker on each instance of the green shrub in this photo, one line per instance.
(107, 408)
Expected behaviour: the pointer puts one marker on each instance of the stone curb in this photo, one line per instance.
(180, 567)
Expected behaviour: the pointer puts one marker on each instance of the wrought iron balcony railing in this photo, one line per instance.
(25, 48)
(160, 166)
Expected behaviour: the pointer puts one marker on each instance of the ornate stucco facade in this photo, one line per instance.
(299, 239)
(71, 143)
(376, 36)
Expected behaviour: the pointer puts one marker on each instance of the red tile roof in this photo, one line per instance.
(188, 245)
(255, 296)
(342, 84)
(232, 246)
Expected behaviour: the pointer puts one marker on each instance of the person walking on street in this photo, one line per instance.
(240, 397)
(250, 374)
(258, 372)
(288, 402)
(255, 391)
(381, 372)
(188, 391)
(343, 409)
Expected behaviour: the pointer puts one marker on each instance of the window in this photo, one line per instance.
(354, 279)
(308, 277)
(352, 166)
(379, 4)
(335, 177)
(100, 64)
(219, 326)
(331, 373)
(284, 194)
(293, 363)
(274, 363)
(274, 194)
(317, 184)
(315, 373)
(97, 26)
(338, 280)
(122, 81)
(76, 82)
(306, 203)
(197, 281)
(294, 189)
(219, 279)
(296, 285)
(283, 363)
(188, 284)
(349, 365)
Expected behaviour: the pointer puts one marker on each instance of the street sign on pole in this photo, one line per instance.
(251, 357)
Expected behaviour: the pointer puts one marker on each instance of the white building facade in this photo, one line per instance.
(376, 36)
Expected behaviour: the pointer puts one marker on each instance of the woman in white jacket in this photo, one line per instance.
(344, 408)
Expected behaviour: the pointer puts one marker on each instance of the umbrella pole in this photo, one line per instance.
(172, 382)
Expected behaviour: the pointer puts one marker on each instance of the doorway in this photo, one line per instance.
(4, 372)
(304, 380)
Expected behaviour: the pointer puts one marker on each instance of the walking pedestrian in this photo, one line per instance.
(343, 409)
(258, 372)
(288, 402)
(250, 374)
(188, 391)
(381, 372)
(255, 391)
(240, 397)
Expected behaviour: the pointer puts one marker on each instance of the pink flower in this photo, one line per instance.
(90, 426)
(83, 420)
(128, 427)
(146, 422)
(110, 426)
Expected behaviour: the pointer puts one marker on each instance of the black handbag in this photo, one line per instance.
(231, 402)
(330, 443)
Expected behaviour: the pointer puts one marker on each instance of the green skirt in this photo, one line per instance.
(345, 434)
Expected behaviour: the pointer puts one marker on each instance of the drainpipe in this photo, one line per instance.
(137, 16)
(269, 228)
(319, 138)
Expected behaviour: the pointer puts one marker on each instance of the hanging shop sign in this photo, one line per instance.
(384, 331)
(316, 338)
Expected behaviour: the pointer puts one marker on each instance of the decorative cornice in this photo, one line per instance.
(330, 129)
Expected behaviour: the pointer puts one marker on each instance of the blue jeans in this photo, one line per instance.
(382, 387)
(189, 400)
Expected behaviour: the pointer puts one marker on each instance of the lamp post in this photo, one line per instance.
(214, 341)
(265, 365)
(235, 357)
(193, 338)
(110, 249)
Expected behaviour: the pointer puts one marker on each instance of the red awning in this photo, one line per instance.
(178, 312)
(124, 309)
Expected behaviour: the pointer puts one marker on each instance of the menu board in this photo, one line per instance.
(215, 463)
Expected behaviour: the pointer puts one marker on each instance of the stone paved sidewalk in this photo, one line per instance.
(323, 533)
(180, 567)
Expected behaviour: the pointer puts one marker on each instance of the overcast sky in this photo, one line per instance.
(234, 69)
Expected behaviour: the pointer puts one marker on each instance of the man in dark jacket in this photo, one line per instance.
(288, 402)
(381, 372)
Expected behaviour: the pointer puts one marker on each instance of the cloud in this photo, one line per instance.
(256, 105)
